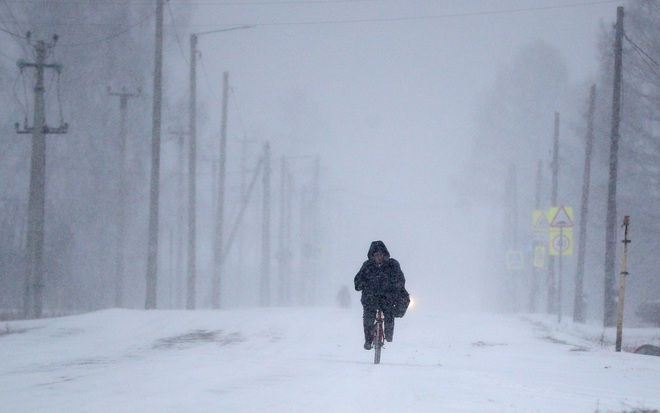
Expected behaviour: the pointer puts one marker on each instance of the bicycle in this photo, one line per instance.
(378, 335)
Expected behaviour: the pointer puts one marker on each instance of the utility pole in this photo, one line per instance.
(609, 304)
(264, 297)
(622, 286)
(287, 234)
(512, 201)
(121, 225)
(316, 228)
(241, 235)
(241, 212)
(310, 249)
(245, 194)
(552, 304)
(192, 166)
(180, 134)
(579, 305)
(34, 285)
(284, 287)
(219, 230)
(305, 264)
(537, 206)
(152, 259)
(511, 194)
(192, 182)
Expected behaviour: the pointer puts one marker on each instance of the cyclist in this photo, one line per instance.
(383, 285)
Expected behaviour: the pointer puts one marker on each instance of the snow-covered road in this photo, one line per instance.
(311, 360)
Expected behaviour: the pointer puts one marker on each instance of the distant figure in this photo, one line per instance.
(344, 297)
(383, 286)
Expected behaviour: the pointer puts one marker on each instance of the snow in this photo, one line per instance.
(312, 360)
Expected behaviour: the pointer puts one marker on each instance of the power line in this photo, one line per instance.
(366, 20)
(205, 3)
(112, 36)
(176, 34)
(300, 23)
(13, 34)
(640, 50)
(11, 13)
(282, 2)
(440, 16)
(238, 110)
(18, 26)
(306, 2)
(208, 80)
(13, 90)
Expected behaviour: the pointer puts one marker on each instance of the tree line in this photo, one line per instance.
(515, 122)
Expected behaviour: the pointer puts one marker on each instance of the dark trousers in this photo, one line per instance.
(369, 317)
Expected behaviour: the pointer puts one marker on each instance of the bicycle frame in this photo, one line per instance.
(378, 335)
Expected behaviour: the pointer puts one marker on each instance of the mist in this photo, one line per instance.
(386, 115)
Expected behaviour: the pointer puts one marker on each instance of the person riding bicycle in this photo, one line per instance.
(383, 286)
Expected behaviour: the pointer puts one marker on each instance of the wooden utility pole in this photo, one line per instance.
(192, 181)
(152, 259)
(284, 254)
(609, 304)
(622, 286)
(180, 219)
(512, 210)
(216, 288)
(34, 283)
(537, 206)
(313, 250)
(579, 310)
(287, 236)
(241, 212)
(192, 172)
(511, 222)
(264, 297)
(552, 300)
(121, 218)
(244, 175)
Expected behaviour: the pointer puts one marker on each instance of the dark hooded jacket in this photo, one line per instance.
(382, 285)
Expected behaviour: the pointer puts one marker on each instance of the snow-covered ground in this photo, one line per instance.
(311, 360)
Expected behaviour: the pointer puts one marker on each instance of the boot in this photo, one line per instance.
(367, 339)
(389, 333)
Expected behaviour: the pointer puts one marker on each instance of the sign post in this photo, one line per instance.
(540, 226)
(561, 242)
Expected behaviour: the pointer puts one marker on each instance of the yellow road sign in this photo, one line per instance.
(539, 256)
(540, 221)
(560, 241)
(560, 217)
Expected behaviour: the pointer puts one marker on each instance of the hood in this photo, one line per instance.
(378, 246)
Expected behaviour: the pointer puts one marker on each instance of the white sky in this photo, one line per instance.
(387, 97)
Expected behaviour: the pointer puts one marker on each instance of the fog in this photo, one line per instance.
(385, 95)
(389, 103)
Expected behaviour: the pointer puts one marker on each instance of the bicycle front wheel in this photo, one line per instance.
(378, 342)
